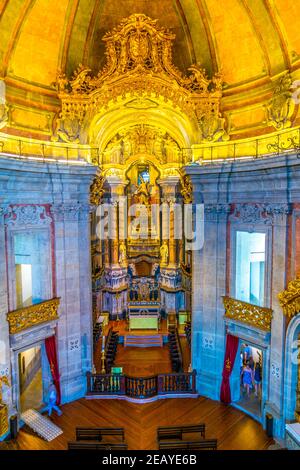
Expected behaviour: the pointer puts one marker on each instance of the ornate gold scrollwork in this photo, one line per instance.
(139, 66)
(281, 106)
(260, 317)
(97, 190)
(289, 299)
(186, 188)
(27, 317)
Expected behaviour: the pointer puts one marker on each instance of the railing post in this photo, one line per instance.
(122, 385)
(88, 383)
(194, 381)
(160, 384)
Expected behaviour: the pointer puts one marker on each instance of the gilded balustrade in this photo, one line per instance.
(27, 317)
(273, 144)
(260, 317)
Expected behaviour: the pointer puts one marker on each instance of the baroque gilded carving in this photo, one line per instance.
(66, 129)
(281, 106)
(186, 188)
(139, 67)
(97, 190)
(260, 317)
(27, 317)
(4, 108)
(289, 299)
(141, 138)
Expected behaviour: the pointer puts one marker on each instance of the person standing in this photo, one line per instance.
(257, 379)
(247, 378)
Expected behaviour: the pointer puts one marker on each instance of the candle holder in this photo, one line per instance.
(103, 371)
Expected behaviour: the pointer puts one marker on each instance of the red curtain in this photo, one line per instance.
(232, 343)
(50, 345)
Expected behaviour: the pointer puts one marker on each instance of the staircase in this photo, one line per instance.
(41, 425)
(146, 341)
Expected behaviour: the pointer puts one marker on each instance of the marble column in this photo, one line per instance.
(169, 193)
(208, 287)
(278, 213)
(73, 277)
(5, 369)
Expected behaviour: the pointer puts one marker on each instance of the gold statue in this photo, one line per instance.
(122, 254)
(164, 253)
(186, 189)
(143, 192)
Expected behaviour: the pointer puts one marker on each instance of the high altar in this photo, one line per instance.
(151, 112)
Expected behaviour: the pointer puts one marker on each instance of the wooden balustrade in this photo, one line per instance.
(141, 387)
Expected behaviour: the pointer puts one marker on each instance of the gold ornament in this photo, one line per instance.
(281, 106)
(139, 67)
(260, 317)
(97, 190)
(289, 299)
(27, 317)
(186, 189)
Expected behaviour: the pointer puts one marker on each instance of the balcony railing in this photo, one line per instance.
(141, 387)
(27, 317)
(272, 144)
(260, 317)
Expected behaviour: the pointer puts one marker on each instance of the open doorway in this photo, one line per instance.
(30, 378)
(251, 378)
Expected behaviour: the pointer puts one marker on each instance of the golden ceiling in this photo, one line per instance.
(252, 42)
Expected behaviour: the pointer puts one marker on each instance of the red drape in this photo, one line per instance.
(232, 343)
(50, 345)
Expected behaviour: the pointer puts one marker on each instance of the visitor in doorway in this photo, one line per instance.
(247, 352)
(241, 367)
(52, 401)
(257, 379)
(247, 378)
(251, 363)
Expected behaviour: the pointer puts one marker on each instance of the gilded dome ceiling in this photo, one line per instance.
(251, 42)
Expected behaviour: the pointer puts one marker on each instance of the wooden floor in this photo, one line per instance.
(232, 428)
(143, 362)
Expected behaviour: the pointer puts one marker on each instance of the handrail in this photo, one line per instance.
(272, 144)
(141, 387)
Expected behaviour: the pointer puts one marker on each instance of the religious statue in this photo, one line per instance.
(122, 254)
(67, 130)
(143, 192)
(164, 253)
(186, 189)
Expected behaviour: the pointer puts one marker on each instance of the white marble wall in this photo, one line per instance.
(64, 190)
(265, 191)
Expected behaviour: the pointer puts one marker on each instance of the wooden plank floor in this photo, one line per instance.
(232, 428)
(142, 362)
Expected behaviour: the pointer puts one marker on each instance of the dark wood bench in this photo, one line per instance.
(204, 444)
(176, 432)
(96, 434)
(97, 446)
